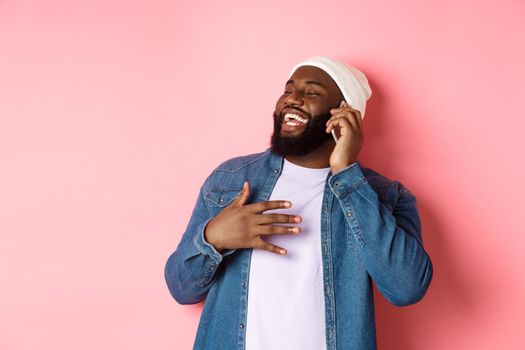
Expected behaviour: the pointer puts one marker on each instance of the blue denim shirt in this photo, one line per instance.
(370, 231)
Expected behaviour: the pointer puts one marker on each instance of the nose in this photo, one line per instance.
(294, 99)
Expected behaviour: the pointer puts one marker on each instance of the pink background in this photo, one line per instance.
(112, 114)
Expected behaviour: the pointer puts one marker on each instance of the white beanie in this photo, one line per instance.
(351, 81)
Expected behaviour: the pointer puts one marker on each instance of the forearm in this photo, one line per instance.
(390, 243)
(191, 270)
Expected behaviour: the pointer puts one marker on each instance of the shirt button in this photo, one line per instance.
(221, 200)
(241, 326)
(243, 284)
(337, 183)
(349, 213)
(275, 171)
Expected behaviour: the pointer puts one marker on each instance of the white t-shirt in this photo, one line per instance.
(285, 293)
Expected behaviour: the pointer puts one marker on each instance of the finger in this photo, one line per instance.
(278, 230)
(336, 116)
(342, 122)
(243, 197)
(260, 207)
(356, 113)
(350, 116)
(344, 106)
(277, 218)
(358, 118)
(262, 244)
(353, 119)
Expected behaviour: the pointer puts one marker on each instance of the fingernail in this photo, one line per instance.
(287, 204)
(282, 252)
(297, 219)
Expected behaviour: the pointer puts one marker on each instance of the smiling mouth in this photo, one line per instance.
(293, 122)
(294, 119)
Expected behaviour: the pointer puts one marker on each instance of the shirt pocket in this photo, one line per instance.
(221, 198)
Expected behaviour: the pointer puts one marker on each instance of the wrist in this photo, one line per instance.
(209, 238)
(335, 170)
(339, 168)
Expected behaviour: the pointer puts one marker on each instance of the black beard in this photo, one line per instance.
(310, 139)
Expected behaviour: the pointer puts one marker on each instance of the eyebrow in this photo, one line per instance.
(308, 82)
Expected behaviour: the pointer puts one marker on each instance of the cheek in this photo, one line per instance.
(279, 102)
(318, 109)
(323, 107)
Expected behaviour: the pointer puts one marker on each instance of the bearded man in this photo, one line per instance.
(285, 245)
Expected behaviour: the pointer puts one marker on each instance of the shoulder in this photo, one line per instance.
(226, 180)
(233, 172)
(236, 164)
(382, 184)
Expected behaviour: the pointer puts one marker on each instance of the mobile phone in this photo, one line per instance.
(333, 130)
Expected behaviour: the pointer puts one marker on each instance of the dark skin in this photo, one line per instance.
(311, 92)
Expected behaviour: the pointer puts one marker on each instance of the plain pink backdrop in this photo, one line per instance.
(112, 114)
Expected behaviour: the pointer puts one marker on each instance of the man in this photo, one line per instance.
(284, 244)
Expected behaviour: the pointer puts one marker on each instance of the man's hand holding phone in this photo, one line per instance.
(347, 123)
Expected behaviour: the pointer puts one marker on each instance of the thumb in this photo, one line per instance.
(243, 197)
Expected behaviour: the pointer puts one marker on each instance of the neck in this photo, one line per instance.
(317, 159)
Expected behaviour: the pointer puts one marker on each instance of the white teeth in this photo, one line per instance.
(290, 116)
